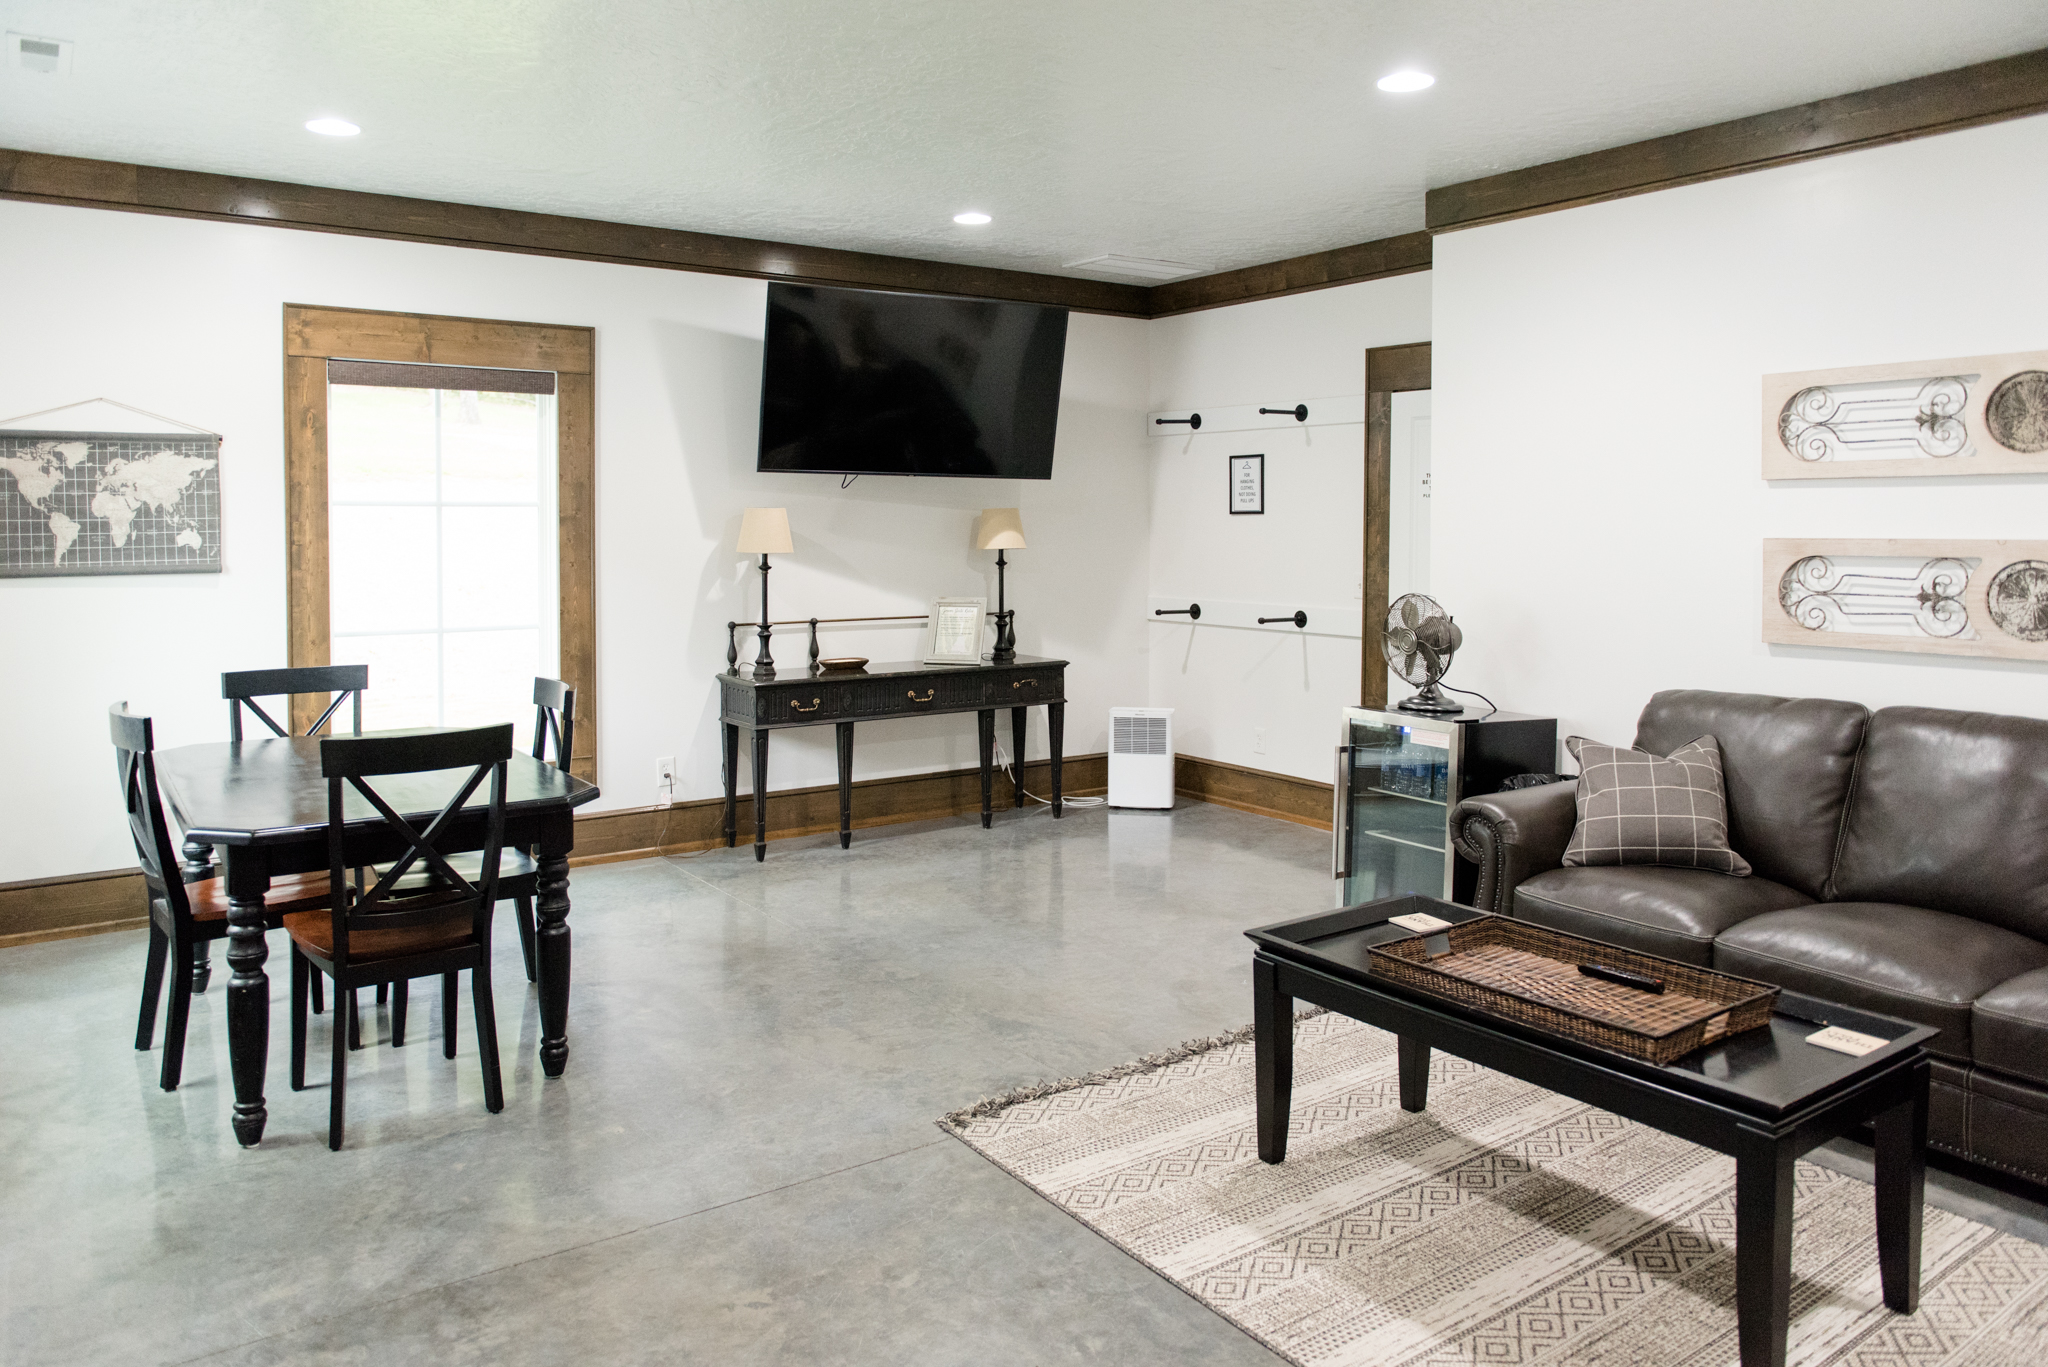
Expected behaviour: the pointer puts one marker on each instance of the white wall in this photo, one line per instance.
(184, 318)
(1599, 506)
(1228, 685)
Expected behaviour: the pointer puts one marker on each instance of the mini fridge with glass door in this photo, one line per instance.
(1400, 774)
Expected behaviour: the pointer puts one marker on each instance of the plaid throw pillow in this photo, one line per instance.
(1638, 808)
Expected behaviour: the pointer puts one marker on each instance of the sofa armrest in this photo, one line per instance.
(1513, 836)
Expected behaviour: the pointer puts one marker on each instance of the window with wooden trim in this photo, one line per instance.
(439, 480)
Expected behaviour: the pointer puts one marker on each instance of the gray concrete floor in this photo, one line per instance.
(741, 1164)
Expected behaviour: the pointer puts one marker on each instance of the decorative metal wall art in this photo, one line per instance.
(1933, 597)
(1971, 415)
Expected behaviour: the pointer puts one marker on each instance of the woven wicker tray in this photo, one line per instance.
(1530, 975)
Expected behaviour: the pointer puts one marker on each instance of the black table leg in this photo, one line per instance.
(1055, 725)
(1763, 1249)
(1017, 716)
(845, 730)
(248, 992)
(1901, 1195)
(1414, 1056)
(986, 730)
(1273, 1053)
(732, 783)
(760, 795)
(551, 947)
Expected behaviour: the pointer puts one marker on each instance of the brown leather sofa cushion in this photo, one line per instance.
(1925, 966)
(1951, 812)
(1672, 912)
(1787, 764)
(2009, 1028)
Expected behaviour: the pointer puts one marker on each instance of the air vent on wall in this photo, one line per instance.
(48, 55)
(1135, 267)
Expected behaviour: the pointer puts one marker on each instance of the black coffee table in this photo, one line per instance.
(1764, 1097)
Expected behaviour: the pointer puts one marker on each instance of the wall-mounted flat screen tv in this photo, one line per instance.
(869, 382)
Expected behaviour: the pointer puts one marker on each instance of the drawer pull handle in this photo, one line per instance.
(929, 694)
(1024, 683)
(801, 708)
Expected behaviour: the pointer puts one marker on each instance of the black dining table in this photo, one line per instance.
(263, 805)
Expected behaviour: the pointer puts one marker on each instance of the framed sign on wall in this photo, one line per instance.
(1247, 484)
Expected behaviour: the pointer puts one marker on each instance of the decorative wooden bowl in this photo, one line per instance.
(844, 664)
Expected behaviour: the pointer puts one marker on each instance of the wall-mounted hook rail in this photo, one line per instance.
(1299, 412)
(1298, 617)
(1193, 420)
(1192, 611)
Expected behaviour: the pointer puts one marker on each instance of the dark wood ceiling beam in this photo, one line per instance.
(1989, 92)
(1317, 271)
(233, 199)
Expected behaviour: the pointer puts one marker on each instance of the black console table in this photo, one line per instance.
(816, 698)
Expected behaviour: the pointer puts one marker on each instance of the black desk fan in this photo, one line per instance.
(1419, 640)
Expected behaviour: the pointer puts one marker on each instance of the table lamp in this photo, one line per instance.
(764, 531)
(1001, 530)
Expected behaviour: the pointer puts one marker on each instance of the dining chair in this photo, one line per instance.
(406, 925)
(182, 916)
(241, 688)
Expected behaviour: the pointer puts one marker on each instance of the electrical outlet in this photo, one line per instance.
(665, 773)
(1259, 740)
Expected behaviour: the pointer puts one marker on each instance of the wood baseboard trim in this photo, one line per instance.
(688, 827)
(1300, 800)
(74, 904)
(33, 937)
(1987, 92)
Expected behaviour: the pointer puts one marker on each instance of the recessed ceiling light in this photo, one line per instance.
(972, 219)
(1406, 82)
(333, 128)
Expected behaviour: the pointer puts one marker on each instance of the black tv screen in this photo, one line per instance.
(867, 382)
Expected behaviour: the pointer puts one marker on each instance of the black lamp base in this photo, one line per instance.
(1006, 638)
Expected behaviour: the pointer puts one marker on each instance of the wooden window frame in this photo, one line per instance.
(1389, 370)
(314, 335)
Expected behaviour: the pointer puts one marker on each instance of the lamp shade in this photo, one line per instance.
(1001, 530)
(765, 531)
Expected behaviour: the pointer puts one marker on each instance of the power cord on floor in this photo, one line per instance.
(1003, 759)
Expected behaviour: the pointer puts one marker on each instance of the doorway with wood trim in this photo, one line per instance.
(1396, 490)
(444, 465)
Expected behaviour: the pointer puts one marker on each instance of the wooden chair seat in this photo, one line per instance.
(313, 932)
(209, 897)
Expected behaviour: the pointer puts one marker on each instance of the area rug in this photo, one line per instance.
(1504, 1225)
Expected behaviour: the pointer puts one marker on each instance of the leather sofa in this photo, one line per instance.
(1901, 865)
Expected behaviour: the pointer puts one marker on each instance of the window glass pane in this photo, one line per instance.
(405, 678)
(489, 678)
(490, 449)
(380, 569)
(489, 567)
(380, 444)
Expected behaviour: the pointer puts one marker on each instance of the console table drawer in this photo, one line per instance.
(1026, 687)
(903, 697)
(781, 706)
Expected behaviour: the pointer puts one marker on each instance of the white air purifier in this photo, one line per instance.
(1141, 757)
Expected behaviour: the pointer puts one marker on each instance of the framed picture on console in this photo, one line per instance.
(953, 635)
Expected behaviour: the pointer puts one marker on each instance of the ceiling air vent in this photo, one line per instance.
(39, 54)
(1135, 267)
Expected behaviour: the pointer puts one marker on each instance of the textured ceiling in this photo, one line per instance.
(1219, 134)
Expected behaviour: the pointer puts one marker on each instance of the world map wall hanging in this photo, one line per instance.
(1969, 415)
(1927, 597)
(109, 503)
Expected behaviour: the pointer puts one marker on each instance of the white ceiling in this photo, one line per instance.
(1219, 134)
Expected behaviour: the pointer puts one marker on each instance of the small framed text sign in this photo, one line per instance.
(1247, 484)
(954, 635)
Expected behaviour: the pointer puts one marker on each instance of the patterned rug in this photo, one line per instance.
(1505, 1225)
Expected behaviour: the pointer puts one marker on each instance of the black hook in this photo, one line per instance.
(1300, 412)
(1194, 422)
(1299, 619)
(1193, 612)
